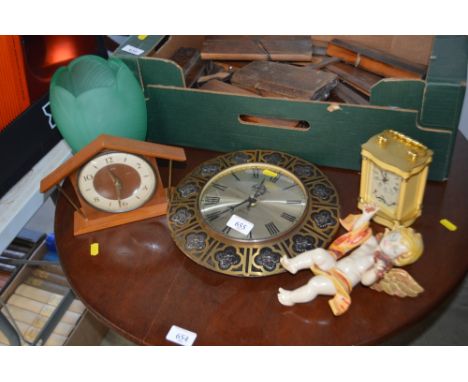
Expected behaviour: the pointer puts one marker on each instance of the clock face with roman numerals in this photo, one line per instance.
(271, 198)
(240, 212)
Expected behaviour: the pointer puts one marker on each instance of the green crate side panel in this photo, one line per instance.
(207, 120)
(161, 72)
(148, 44)
(404, 94)
(448, 63)
(442, 106)
(155, 71)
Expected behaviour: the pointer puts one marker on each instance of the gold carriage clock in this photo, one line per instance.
(393, 177)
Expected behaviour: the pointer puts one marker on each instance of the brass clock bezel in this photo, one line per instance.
(207, 247)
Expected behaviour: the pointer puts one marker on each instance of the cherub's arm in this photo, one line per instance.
(376, 272)
(358, 232)
(354, 222)
(366, 216)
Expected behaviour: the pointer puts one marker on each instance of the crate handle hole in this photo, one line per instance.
(281, 123)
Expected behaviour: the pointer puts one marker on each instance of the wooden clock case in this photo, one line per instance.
(89, 219)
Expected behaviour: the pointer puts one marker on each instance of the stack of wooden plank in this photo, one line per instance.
(295, 67)
(37, 295)
(31, 308)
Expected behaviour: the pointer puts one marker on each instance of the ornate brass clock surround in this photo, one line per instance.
(194, 236)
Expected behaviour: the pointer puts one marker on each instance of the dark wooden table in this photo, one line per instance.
(141, 284)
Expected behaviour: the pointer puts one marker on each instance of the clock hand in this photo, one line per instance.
(260, 190)
(217, 214)
(249, 200)
(117, 185)
(380, 197)
(384, 176)
(118, 189)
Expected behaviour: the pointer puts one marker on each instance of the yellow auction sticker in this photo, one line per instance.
(94, 249)
(448, 224)
(270, 173)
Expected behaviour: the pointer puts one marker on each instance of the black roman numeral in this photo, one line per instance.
(275, 179)
(272, 228)
(211, 200)
(219, 187)
(88, 177)
(226, 230)
(289, 187)
(255, 172)
(288, 217)
(235, 176)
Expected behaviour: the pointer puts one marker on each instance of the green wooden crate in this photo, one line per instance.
(426, 110)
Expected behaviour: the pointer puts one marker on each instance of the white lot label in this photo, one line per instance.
(240, 225)
(133, 50)
(181, 336)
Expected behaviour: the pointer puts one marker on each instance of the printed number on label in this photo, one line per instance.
(181, 336)
(240, 225)
(133, 50)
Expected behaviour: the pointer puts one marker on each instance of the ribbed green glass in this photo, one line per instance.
(93, 96)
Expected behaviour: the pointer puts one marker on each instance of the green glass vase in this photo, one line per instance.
(93, 96)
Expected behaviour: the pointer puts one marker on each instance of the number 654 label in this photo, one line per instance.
(181, 336)
(240, 225)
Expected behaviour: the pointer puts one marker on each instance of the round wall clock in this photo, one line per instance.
(240, 212)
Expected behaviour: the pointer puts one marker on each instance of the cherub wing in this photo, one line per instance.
(398, 282)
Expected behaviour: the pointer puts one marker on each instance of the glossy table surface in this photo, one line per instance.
(140, 284)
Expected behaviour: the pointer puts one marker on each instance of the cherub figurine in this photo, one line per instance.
(371, 264)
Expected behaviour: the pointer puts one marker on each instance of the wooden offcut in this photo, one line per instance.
(375, 61)
(357, 78)
(219, 86)
(282, 80)
(190, 61)
(344, 93)
(257, 48)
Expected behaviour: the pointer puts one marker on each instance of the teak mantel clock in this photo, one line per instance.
(393, 177)
(116, 181)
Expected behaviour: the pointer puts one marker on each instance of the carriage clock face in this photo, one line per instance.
(117, 182)
(385, 187)
(240, 212)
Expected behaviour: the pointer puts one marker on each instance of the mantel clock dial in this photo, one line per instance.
(393, 177)
(282, 205)
(117, 182)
